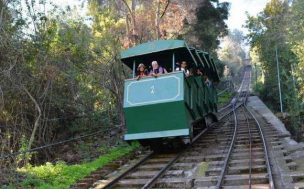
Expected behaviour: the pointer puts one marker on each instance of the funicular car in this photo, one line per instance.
(170, 105)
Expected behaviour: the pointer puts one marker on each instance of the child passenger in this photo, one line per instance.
(141, 71)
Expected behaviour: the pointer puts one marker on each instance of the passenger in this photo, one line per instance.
(199, 72)
(183, 67)
(157, 70)
(141, 71)
(207, 81)
(192, 71)
(177, 66)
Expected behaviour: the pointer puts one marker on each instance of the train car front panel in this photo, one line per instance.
(155, 108)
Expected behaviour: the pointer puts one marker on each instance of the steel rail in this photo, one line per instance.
(250, 140)
(221, 92)
(231, 105)
(225, 107)
(223, 171)
(241, 92)
(153, 180)
(227, 141)
(121, 176)
(250, 148)
(271, 183)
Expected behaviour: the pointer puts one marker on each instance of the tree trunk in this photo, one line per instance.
(157, 20)
(36, 124)
(132, 27)
(159, 16)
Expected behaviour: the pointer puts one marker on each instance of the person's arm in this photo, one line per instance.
(153, 74)
(165, 71)
(187, 73)
(146, 73)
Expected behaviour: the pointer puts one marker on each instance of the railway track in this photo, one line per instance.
(209, 151)
(171, 169)
(155, 169)
(231, 154)
(167, 170)
(247, 162)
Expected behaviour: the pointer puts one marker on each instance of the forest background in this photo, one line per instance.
(61, 77)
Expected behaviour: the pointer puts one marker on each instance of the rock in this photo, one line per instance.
(65, 148)
(293, 146)
(70, 157)
(297, 155)
(281, 115)
(113, 133)
(289, 142)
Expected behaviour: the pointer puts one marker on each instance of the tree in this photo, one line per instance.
(210, 24)
(45, 81)
(296, 36)
(267, 34)
(232, 52)
(62, 77)
(280, 28)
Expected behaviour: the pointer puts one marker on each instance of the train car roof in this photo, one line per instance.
(160, 50)
(153, 47)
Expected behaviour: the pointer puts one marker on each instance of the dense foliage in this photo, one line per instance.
(276, 35)
(232, 53)
(210, 24)
(60, 74)
(61, 175)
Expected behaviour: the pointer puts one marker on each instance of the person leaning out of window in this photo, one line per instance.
(183, 67)
(141, 71)
(157, 70)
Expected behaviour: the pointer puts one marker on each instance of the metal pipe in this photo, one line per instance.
(250, 149)
(133, 69)
(256, 76)
(173, 62)
(191, 54)
(279, 82)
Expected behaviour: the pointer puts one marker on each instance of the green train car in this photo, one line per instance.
(171, 105)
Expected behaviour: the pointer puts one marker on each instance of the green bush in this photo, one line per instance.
(61, 175)
(224, 98)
